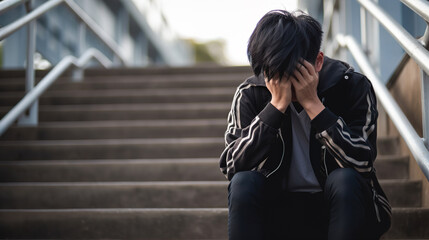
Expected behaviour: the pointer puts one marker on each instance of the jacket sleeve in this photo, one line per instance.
(249, 134)
(351, 139)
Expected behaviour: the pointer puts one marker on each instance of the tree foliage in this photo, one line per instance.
(209, 52)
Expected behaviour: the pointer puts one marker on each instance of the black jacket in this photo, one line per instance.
(258, 136)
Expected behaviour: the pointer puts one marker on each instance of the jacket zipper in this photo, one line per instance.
(375, 205)
(283, 154)
(324, 159)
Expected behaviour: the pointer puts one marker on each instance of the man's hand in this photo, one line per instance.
(281, 92)
(305, 83)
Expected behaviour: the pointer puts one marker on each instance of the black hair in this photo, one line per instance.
(280, 40)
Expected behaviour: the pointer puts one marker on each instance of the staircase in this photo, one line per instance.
(134, 154)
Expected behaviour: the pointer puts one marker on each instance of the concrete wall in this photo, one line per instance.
(406, 89)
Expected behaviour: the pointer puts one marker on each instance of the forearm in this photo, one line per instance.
(346, 143)
(247, 147)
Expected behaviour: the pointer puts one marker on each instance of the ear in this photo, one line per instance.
(319, 62)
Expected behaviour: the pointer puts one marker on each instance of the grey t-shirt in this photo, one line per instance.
(301, 177)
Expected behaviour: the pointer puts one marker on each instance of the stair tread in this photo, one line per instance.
(125, 107)
(108, 161)
(391, 182)
(225, 210)
(126, 92)
(127, 123)
(191, 194)
(88, 142)
(184, 223)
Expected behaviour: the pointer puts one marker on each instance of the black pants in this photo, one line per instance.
(344, 210)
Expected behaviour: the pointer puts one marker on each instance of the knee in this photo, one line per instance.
(343, 183)
(246, 187)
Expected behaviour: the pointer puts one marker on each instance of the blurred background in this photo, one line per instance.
(190, 31)
(187, 32)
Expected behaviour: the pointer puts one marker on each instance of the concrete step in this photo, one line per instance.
(203, 169)
(388, 145)
(137, 71)
(115, 223)
(409, 223)
(202, 194)
(169, 71)
(392, 166)
(80, 97)
(192, 169)
(403, 192)
(111, 149)
(137, 82)
(177, 223)
(175, 128)
(131, 111)
(113, 195)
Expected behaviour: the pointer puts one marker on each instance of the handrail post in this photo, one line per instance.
(31, 118)
(425, 105)
(425, 93)
(78, 73)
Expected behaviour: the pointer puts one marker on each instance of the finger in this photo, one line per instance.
(284, 78)
(285, 82)
(304, 72)
(309, 67)
(295, 82)
(274, 82)
(298, 76)
(269, 81)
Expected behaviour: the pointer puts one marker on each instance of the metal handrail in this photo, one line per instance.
(412, 139)
(48, 80)
(408, 42)
(329, 12)
(33, 93)
(96, 30)
(420, 55)
(16, 25)
(5, 5)
(39, 11)
(419, 7)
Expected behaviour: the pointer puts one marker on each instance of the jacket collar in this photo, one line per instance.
(332, 72)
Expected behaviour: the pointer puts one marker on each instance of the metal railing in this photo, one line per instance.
(30, 101)
(48, 80)
(82, 16)
(415, 49)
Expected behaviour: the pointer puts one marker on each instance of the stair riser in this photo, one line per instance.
(395, 168)
(157, 224)
(138, 114)
(180, 170)
(410, 224)
(388, 146)
(150, 195)
(141, 72)
(132, 224)
(192, 196)
(77, 100)
(153, 170)
(112, 151)
(119, 132)
(131, 84)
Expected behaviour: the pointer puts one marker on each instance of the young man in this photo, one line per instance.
(301, 141)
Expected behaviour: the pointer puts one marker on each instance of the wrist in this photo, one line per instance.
(313, 108)
(281, 106)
